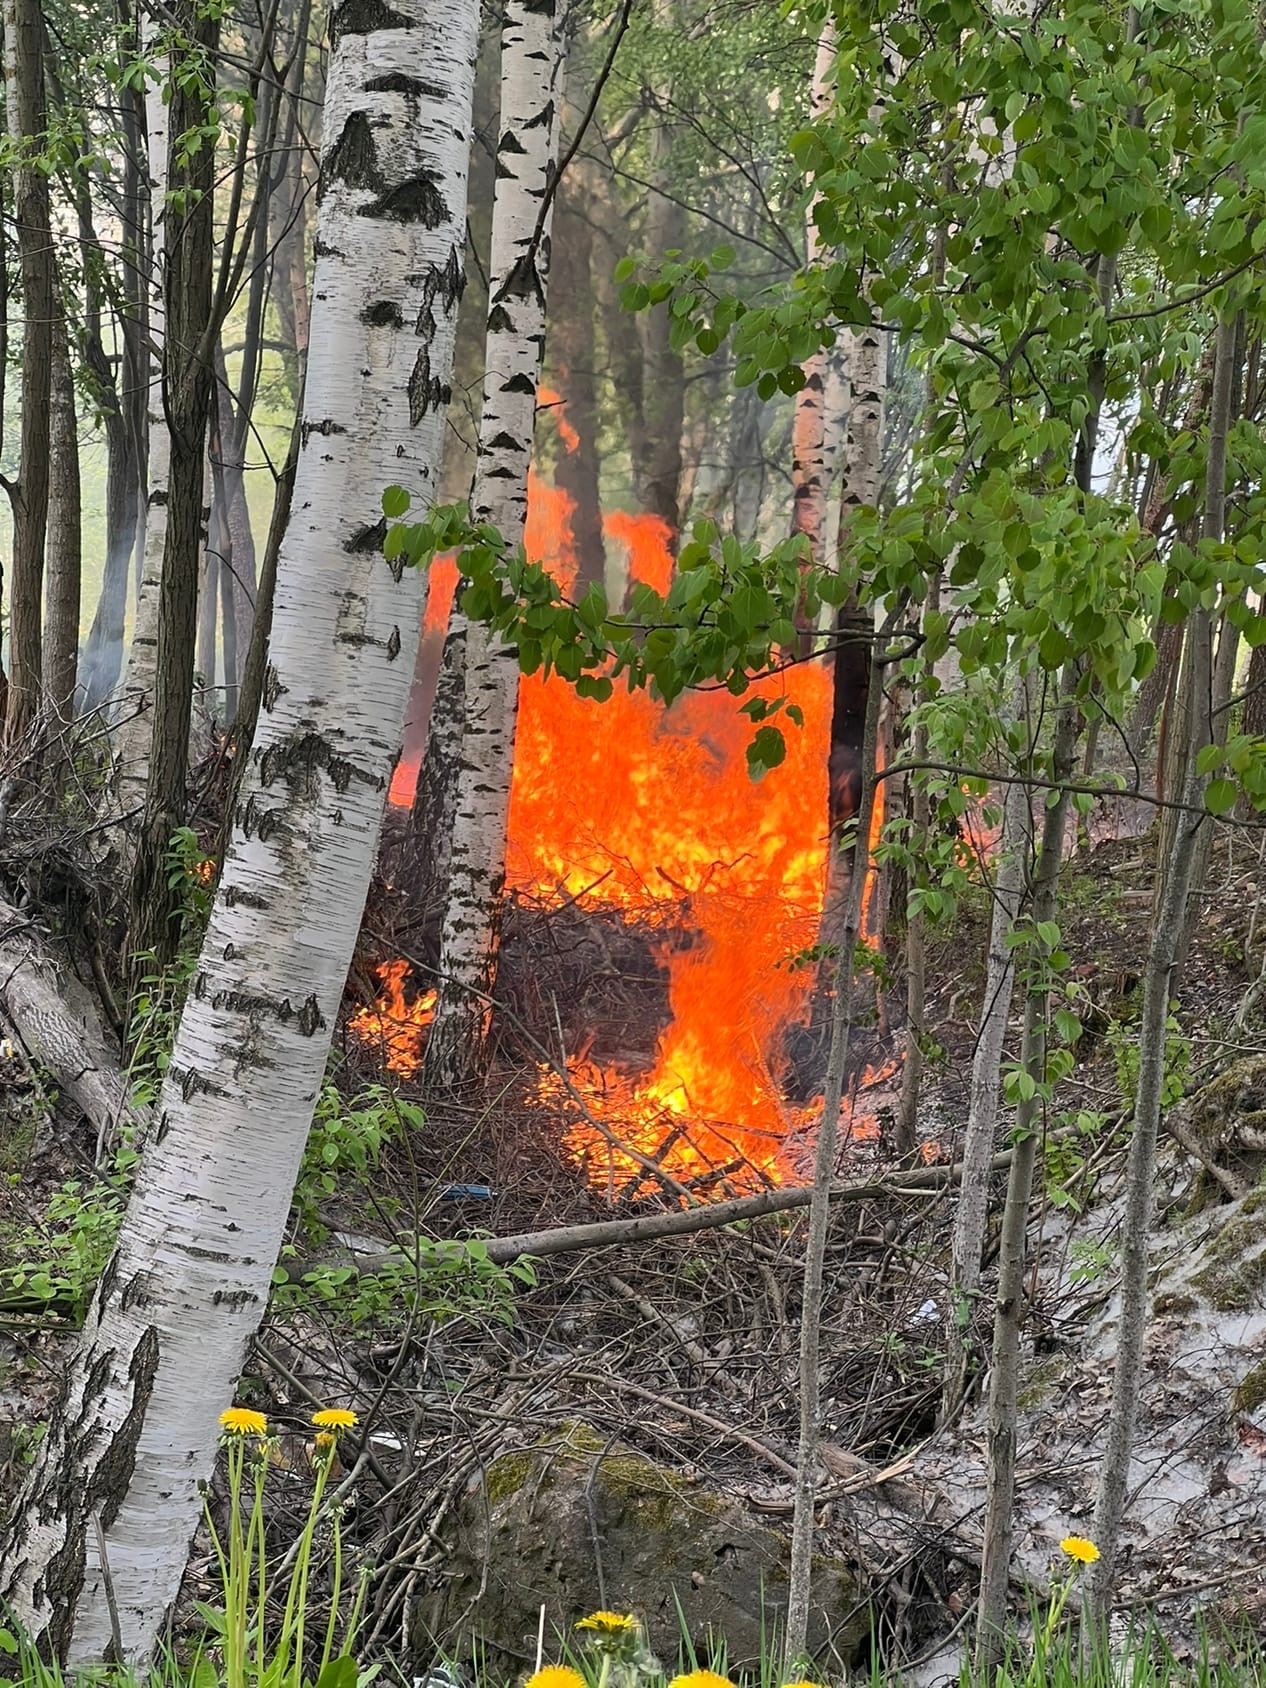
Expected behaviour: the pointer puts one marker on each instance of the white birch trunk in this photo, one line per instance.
(817, 426)
(131, 746)
(531, 56)
(136, 1428)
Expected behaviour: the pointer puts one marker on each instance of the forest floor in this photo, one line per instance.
(684, 1349)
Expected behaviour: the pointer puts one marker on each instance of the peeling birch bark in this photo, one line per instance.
(136, 1426)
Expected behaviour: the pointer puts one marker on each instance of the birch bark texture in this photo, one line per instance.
(531, 60)
(136, 1427)
(131, 747)
(817, 425)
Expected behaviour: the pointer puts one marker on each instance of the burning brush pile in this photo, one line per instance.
(641, 852)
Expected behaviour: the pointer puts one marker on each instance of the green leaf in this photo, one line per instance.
(395, 503)
(1048, 932)
(623, 270)
(1220, 796)
(598, 687)
(722, 256)
(338, 1673)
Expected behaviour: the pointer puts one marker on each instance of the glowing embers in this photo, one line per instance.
(393, 1026)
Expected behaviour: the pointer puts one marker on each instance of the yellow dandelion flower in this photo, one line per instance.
(608, 1623)
(335, 1418)
(701, 1679)
(243, 1421)
(555, 1676)
(325, 1438)
(1078, 1548)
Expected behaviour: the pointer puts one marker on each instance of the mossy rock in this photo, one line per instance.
(1227, 1117)
(1231, 1271)
(532, 1530)
(1250, 1391)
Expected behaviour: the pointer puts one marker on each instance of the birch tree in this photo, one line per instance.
(531, 56)
(132, 739)
(819, 413)
(136, 1426)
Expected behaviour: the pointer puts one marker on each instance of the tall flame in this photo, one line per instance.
(651, 812)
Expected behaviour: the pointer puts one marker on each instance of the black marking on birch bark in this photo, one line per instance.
(499, 321)
(106, 1283)
(502, 473)
(134, 1292)
(108, 1485)
(506, 442)
(447, 283)
(237, 895)
(158, 498)
(417, 199)
(191, 1083)
(326, 427)
(520, 383)
(541, 119)
(363, 17)
(396, 82)
(298, 759)
(383, 313)
(426, 392)
(322, 249)
(502, 172)
(272, 688)
(393, 643)
(540, 8)
(233, 1299)
(164, 1126)
(230, 952)
(367, 539)
(216, 1254)
(352, 159)
(511, 143)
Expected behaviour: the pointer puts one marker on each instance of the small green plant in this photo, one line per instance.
(1123, 1042)
(57, 1261)
(345, 1145)
(442, 1280)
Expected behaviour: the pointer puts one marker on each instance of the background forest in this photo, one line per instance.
(630, 847)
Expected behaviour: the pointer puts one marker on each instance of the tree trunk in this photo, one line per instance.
(65, 535)
(844, 940)
(663, 375)
(156, 910)
(574, 359)
(1011, 1306)
(972, 1213)
(1157, 983)
(136, 1429)
(816, 426)
(425, 870)
(24, 111)
(531, 54)
(916, 946)
(132, 739)
(123, 405)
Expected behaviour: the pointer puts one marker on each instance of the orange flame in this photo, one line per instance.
(393, 1025)
(548, 399)
(652, 812)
